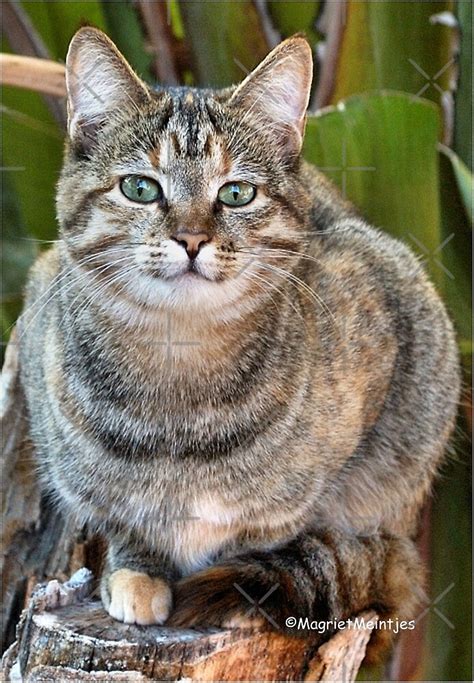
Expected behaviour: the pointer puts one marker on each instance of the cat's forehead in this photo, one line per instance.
(186, 132)
(191, 130)
(177, 124)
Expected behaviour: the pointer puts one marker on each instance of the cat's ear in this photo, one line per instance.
(99, 82)
(277, 92)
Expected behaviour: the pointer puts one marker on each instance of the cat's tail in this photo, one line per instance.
(315, 584)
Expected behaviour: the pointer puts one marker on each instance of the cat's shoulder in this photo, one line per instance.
(337, 227)
(43, 271)
(371, 264)
(372, 253)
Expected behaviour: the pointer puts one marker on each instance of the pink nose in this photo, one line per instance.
(191, 241)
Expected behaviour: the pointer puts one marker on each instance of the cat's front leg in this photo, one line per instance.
(319, 576)
(135, 585)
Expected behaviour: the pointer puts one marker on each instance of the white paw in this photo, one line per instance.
(136, 598)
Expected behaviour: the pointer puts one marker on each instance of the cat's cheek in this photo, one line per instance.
(136, 598)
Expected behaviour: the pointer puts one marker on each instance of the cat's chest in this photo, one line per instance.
(211, 527)
(189, 534)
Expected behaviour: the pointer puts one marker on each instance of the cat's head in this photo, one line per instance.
(178, 194)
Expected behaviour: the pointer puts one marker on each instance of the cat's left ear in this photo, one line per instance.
(99, 82)
(276, 94)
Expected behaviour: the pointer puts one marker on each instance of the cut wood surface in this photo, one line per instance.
(65, 634)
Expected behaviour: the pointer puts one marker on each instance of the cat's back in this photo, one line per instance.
(362, 259)
(377, 290)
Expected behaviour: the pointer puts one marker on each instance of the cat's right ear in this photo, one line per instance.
(99, 82)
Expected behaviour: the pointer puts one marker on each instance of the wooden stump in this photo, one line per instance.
(65, 634)
(37, 542)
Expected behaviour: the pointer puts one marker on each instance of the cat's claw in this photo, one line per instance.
(136, 598)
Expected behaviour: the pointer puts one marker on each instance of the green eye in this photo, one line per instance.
(137, 188)
(236, 194)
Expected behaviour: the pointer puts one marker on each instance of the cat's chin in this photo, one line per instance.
(192, 275)
(188, 291)
(191, 278)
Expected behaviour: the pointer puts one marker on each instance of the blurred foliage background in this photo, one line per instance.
(390, 123)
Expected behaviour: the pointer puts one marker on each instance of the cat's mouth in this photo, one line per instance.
(192, 274)
(171, 263)
(191, 271)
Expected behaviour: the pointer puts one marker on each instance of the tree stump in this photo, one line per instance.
(37, 542)
(65, 634)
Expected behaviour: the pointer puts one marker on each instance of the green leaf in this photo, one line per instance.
(176, 19)
(394, 45)
(381, 150)
(18, 254)
(448, 656)
(32, 145)
(231, 45)
(455, 254)
(58, 21)
(126, 31)
(292, 16)
(463, 111)
(463, 177)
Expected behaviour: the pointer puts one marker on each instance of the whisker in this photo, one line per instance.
(94, 272)
(90, 299)
(269, 283)
(306, 288)
(269, 252)
(37, 240)
(329, 231)
(48, 295)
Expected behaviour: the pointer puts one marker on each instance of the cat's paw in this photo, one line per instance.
(229, 596)
(136, 598)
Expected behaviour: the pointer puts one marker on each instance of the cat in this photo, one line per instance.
(228, 372)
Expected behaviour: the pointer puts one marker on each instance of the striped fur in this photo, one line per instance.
(276, 418)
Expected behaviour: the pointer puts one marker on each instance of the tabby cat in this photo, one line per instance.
(230, 374)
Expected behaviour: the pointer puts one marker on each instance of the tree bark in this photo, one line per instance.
(37, 542)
